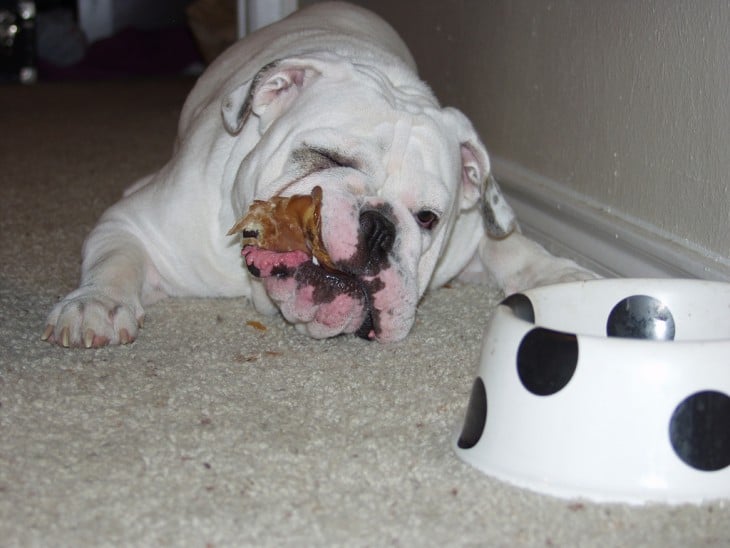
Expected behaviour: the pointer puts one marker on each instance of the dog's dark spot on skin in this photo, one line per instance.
(254, 270)
(367, 327)
(328, 285)
(247, 106)
(310, 159)
(372, 320)
(490, 222)
(281, 272)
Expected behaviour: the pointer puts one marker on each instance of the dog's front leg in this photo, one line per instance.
(518, 263)
(107, 306)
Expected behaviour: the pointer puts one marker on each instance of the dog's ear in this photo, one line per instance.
(478, 183)
(268, 94)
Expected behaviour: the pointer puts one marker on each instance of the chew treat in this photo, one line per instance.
(287, 224)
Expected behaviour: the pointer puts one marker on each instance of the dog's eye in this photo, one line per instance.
(427, 219)
(311, 159)
(331, 158)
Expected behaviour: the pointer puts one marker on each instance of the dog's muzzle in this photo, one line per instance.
(295, 277)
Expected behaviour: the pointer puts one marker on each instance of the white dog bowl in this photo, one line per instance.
(610, 390)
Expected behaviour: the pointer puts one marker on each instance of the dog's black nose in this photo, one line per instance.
(377, 235)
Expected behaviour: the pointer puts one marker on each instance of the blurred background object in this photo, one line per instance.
(103, 39)
(213, 24)
(18, 42)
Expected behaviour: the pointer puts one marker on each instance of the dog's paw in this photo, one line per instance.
(92, 319)
(557, 271)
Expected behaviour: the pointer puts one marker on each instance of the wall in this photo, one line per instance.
(619, 109)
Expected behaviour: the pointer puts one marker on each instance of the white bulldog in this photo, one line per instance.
(328, 98)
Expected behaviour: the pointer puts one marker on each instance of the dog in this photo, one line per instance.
(325, 99)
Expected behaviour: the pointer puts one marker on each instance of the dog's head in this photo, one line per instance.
(402, 181)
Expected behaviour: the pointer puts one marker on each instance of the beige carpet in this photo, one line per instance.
(210, 432)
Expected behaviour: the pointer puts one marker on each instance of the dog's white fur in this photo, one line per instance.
(330, 77)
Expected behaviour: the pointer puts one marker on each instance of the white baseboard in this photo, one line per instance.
(590, 233)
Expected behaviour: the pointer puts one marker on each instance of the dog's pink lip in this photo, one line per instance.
(264, 264)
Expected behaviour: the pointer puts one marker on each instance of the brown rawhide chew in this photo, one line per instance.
(286, 224)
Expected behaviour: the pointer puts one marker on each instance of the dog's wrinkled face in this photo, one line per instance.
(392, 172)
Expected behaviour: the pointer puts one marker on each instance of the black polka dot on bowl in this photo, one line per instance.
(476, 416)
(699, 430)
(641, 317)
(521, 306)
(546, 360)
